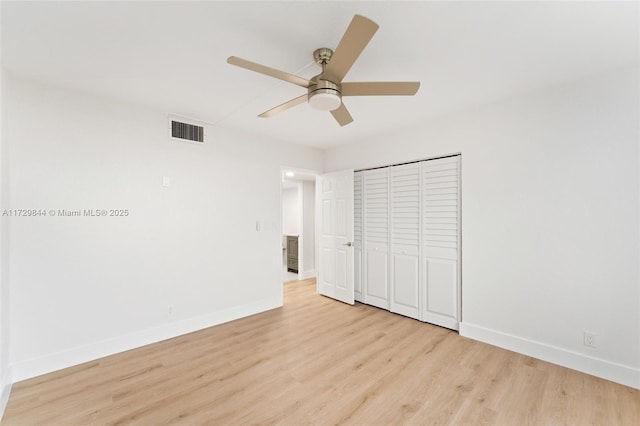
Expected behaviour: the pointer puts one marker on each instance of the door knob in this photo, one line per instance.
(349, 244)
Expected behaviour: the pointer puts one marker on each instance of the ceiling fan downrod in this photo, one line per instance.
(323, 94)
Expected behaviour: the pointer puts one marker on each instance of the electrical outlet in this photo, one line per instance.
(170, 310)
(589, 339)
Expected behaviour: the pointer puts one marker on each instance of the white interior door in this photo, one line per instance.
(335, 219)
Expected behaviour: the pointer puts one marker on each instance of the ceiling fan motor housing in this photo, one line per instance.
(324, 94)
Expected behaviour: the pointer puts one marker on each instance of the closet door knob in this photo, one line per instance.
(349, 244)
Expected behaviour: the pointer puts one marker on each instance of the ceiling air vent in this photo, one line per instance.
(186, 130)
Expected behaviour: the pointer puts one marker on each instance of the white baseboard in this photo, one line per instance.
(608, 370)
(311, 273)
(56, 361)
(6, 391)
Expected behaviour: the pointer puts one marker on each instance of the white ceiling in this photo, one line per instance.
(172, 55)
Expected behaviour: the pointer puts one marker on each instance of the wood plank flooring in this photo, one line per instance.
(318, 361)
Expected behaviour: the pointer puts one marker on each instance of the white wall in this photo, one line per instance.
(290, 212)
(550, 212)
(83, 287)
(308, 229)
(5, 377)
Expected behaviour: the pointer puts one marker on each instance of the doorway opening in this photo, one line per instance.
(297, 215)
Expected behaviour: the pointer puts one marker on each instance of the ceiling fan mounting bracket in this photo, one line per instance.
(322, 56)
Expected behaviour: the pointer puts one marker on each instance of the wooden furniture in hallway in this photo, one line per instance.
(292, 253)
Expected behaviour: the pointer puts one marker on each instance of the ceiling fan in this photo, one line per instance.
(325, 90)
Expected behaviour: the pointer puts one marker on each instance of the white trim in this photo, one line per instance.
(307, 274)
(302, 274)
(6, 392)
(608, 370)
(300, 202)
(56, 361)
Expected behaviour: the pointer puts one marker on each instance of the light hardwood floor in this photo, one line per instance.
(317, 361)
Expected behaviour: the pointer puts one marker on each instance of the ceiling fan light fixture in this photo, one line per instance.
(325, 100)
(324, 95)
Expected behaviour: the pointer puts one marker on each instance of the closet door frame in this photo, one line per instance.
(452, 323)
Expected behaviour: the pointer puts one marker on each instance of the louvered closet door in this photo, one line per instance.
(405, 240)
(357, 235)
(376, 238)
(440, 251)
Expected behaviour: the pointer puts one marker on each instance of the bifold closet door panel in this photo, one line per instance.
(357, 235)
(376, 238)
(440, 246)
(405, 240)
